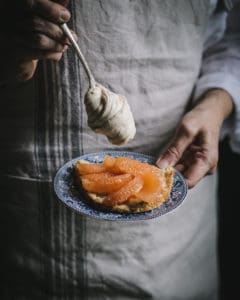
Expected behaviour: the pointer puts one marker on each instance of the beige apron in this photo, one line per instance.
(150, 51)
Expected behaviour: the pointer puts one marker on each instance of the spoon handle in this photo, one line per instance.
(68, 33)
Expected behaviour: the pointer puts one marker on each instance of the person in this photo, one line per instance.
(178, 64)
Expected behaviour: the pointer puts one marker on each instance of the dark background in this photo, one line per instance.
(229, 221)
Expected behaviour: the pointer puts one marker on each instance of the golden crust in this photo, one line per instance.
(133, 205)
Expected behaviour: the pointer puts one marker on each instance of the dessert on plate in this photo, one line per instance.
(121, 184)
(109, 114)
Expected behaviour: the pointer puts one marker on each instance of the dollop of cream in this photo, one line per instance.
(109, 114)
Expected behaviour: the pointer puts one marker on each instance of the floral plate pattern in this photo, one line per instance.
(67, 192)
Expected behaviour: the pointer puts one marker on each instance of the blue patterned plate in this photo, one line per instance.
(69, 195)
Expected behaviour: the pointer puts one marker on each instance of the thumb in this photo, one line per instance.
(183, 138)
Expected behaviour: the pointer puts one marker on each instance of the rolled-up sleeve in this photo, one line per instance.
(221, 67)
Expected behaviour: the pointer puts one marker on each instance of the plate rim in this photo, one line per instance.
(112, 216)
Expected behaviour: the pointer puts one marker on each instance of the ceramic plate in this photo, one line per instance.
(70, 196)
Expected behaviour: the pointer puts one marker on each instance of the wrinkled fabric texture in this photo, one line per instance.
(149, 51)
(221, 66)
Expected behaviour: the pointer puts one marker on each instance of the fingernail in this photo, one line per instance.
(68, 43)
(180, 167)
(65, 15)
(162, 163)
(65, 48)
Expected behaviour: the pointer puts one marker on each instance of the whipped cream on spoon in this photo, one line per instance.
(108, 113)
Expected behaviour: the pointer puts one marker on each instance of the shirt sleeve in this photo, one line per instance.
(221, 66)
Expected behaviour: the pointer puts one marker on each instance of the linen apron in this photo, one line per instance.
(149, 51)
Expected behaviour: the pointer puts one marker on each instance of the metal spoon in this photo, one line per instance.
(68, 33)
